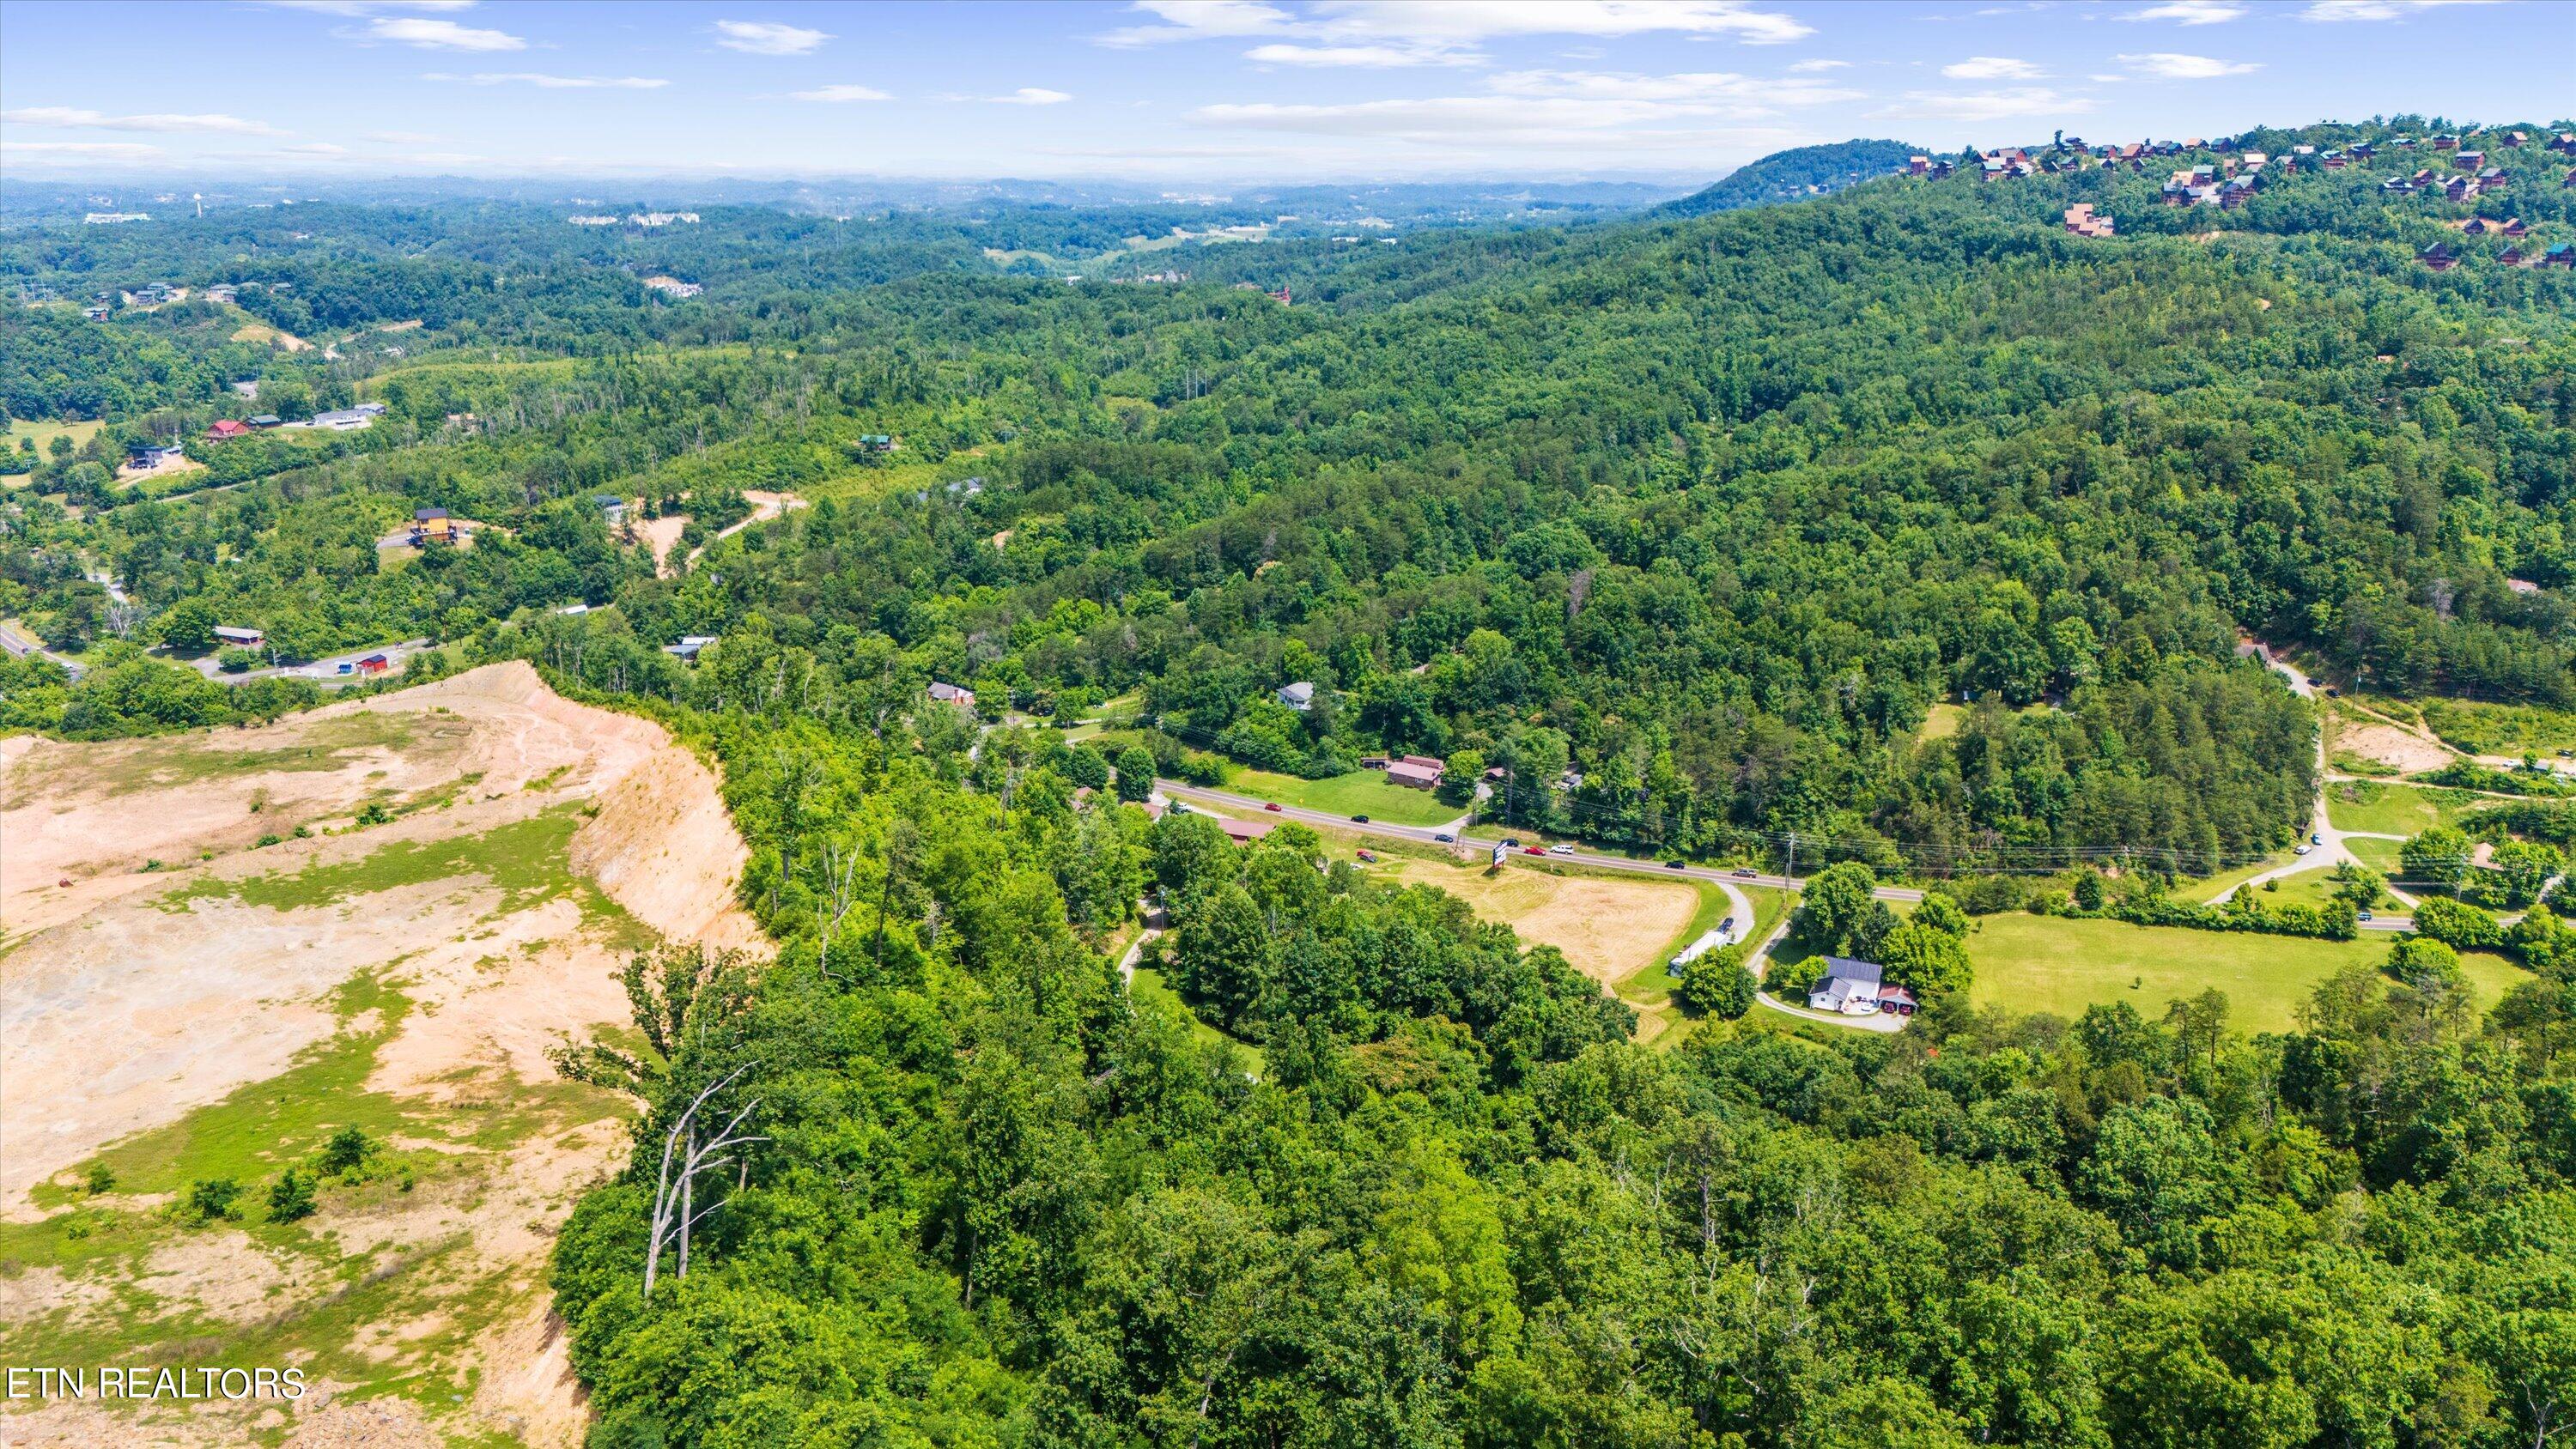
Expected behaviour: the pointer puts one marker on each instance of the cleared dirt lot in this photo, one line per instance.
(224, 1013)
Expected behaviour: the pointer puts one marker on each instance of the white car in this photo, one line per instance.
(2302, 850)
(1560, 848)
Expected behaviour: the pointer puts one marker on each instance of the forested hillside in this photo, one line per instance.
(1789, 175)
(1901, 524)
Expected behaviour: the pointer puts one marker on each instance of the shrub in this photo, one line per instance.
(346, 1151)
(210, 1198)
(290, 1198)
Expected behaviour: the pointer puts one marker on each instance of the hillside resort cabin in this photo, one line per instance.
(240, 638)
(432, 523)
(952, 694)
(264, 420)
(227, 428)
(689, 646)
(154, 455)
(2439, 257)
(877, 443)
(611, 508)
(1299, 696)
(374, 664)
(1857, 988)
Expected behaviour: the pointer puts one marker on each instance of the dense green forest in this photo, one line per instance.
(1898, 521)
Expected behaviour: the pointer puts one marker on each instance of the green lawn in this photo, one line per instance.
(1150, 986)
(2395, 809)
(14, 461)
(2039, 963)
(2379, 855)
(2207, 890)
(1361, 792)
(2310, 888)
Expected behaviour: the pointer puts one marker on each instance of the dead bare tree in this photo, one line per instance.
(840, 875)
(675, 1210)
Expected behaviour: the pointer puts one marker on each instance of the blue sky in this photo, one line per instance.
(1179, 90)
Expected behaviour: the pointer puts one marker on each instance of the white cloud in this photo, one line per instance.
(768, 37)
(1550, 108)
(358, 9)
(432, 35)
(1996, 105)
(82, 150)
(2165, 65)
(1466, 22)
(2331, 10)
(1454, 28)
(1992, 67)
(554, 82)
(842, 93)
(2188, 12)
(1031, 96)
(314, 148)
(1200, 20)
(404, 138)
(1367, 57)
(1698, 93)
(1809, 67)
(72, 118)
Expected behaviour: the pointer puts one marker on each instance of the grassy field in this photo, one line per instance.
(2039, 963)
(2208, 890)
(2395, 809)
(1361, 792)
(2500, 729)
(15, 461)
(2379, 855)
(2310, 888)
(1942, 722)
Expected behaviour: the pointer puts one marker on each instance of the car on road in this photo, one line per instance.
(1744, 872)
(2361, 915)
(2316, 837)
(2302, 850)
(2313, 681)
(1359, 820)
(1532, 850)
(1511, 842)
(1560, 849)
(1273, 805)
(1444, 837)
(1677, 865)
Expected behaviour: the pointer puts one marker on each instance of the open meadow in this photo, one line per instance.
(2052, 964)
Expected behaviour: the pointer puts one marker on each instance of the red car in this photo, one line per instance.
(1532, 850)
(1273, 805)
(1369, 855)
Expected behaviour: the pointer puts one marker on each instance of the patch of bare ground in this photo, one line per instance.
(2391, 745)
(132, 998)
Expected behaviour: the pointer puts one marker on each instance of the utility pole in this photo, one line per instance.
(1789, 873)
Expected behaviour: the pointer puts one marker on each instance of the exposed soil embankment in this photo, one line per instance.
(190, 988)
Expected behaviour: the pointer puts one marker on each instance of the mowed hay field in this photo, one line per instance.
(1609, 928)
(2044, 963)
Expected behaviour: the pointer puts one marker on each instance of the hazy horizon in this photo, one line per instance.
(1181, 93)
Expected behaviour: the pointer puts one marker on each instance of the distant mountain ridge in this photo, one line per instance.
(1788, 175)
